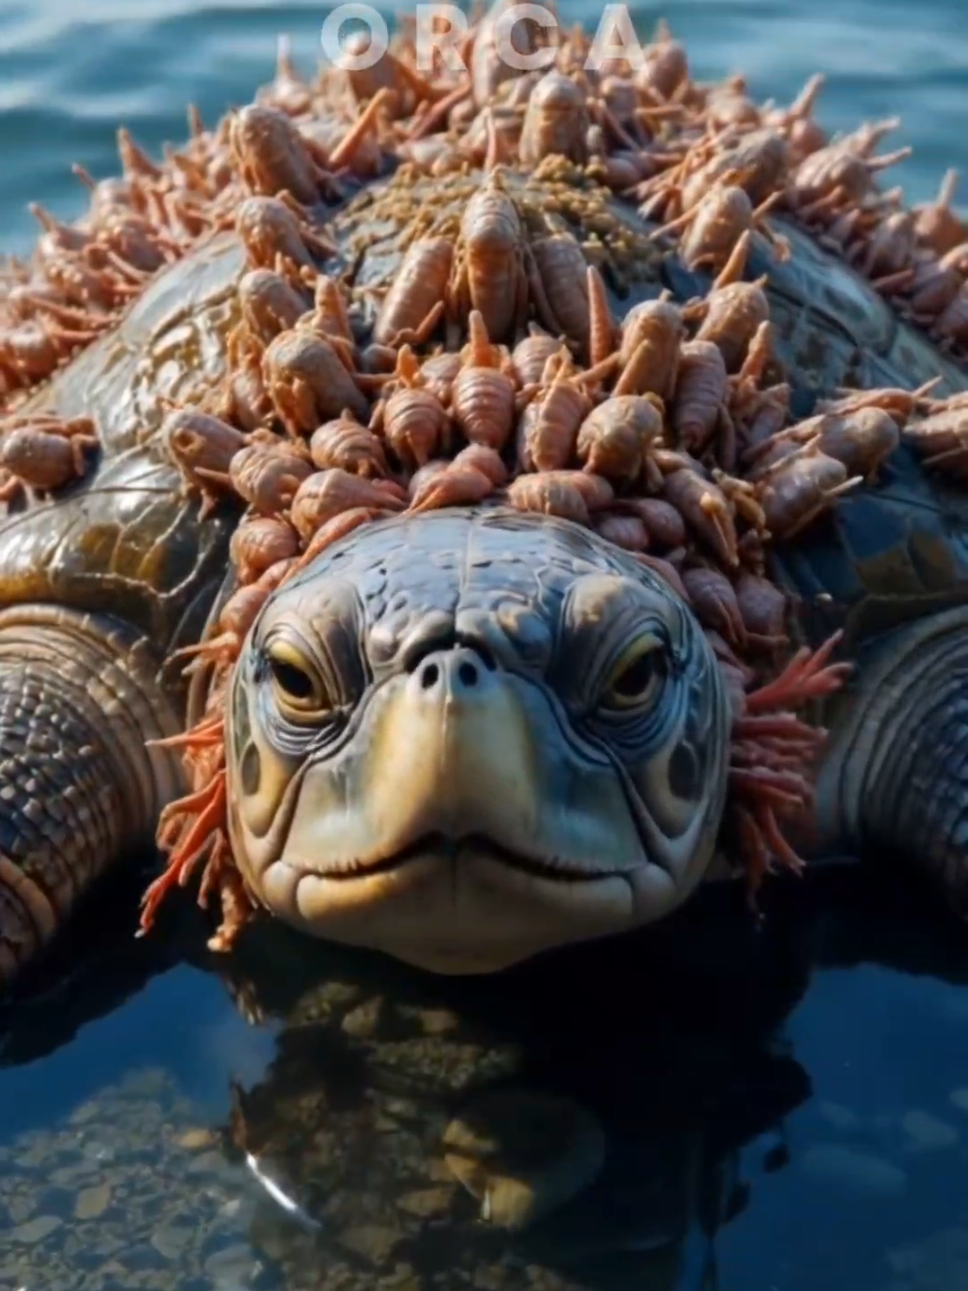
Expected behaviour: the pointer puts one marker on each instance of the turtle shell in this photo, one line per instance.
(893, 550)
(126, 540)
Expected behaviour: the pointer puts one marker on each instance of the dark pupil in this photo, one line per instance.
(636, 677)
(292, 679)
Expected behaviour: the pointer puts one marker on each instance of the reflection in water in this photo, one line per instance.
(371, 1126)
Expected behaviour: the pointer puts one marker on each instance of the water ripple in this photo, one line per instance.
(67, 81)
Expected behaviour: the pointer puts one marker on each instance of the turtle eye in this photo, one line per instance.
(637, 677)
(294, 679)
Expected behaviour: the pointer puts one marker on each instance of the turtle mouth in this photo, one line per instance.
(448, 848)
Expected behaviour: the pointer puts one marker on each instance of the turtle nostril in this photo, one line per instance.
(429, 676)
(467, 674)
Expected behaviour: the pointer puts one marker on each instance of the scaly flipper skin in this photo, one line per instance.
(896, 778)
(465, 770)
(99, 584)
(78, 696)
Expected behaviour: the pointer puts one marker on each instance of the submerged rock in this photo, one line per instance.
(523, 1154)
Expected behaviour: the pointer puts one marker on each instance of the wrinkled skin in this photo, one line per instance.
(463, 770)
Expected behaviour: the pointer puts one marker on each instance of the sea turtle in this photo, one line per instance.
(461, 735)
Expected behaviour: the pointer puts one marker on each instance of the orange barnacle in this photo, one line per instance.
(57, 236)
(762, 605)
(941, 439)
(705, 508)
(413, 306)
(419, 480)
(728, 104)
(763, 414)
(472, 476)
(936, 283)
(529, 356)
(202, 447)
(555, 121)
(549, 494)
(272, 156)
(713, 598)
(663, 523)
(615, 437)
(259, 543)
(626, 531)
(734, 312)
(887, 254)
(952, 323)
(755, 160)
(483, 395)
(799, 487)
(701, 389)
(666, 571)
(666, 68)
(329, 317)
(346, 444)
(326, 494)
(267, 475)
(548, 428)
(288, 91)
(489, 275)
(797, 122)
(389, 78)
(412, 419)
(244, 399)
(836, 177)
(559, 287)
(748, 380)
(712, 228)
(601, 329)
(438, 374)
(651, 336)
(937, 225)
(270, 229)
(137, 242)
(308, 383)
(30, 351)
(861, 440)
(270, 304)
(46, 452)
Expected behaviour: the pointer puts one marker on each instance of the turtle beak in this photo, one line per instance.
(460, 829)
(453, 742)
(459, 749)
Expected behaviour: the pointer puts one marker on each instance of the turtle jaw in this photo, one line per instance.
(465, 906)
(462, 826)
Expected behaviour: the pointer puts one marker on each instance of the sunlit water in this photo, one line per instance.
(782, 1112)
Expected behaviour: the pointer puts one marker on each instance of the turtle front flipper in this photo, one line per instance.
(896, 779)
(79, 697)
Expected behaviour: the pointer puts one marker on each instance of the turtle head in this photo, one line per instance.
(469, 736)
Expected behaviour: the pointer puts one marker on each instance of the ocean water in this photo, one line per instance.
(781, 1110)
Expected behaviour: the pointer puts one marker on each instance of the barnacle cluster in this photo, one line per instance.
(428, 318)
